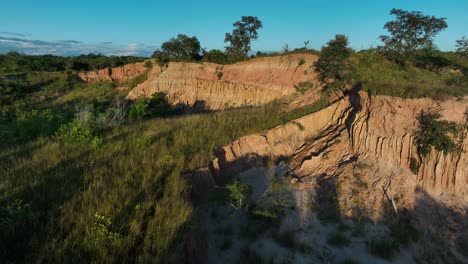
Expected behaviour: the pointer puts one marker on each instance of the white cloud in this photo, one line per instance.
(69, 47)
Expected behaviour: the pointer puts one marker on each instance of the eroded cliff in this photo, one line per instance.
(355, 158)
(382, 128)
(119, 74)
(214, 86)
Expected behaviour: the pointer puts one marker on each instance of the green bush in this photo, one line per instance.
(414, 165)
(385, 248)
(158, 105)
(333, 66)
(148, 64)
(438, 134)
(215, 56)
(239, 195)
(76, 133)
(303, 87)
(338, 240)
(404, 232)
(35, 123)
(139, 110)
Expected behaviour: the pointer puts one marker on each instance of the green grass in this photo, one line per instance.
(53, 190)
(381, 76)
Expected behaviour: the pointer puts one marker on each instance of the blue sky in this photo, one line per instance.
(138, 27)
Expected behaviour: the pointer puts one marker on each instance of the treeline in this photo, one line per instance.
(409, 45)
(185, 48)
(14, 62)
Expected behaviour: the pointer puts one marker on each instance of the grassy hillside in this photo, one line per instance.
(78, 186)
(437, 76)
(75, 190)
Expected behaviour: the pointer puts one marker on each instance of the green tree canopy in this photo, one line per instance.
(409, 32)
(241, 37)
(333, 64)
(462, 47)
(182, 48)
(215, 56)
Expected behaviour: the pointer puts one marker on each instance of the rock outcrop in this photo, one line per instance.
(214, 86)
(119, 74)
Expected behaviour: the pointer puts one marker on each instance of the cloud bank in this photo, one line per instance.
(10, 41)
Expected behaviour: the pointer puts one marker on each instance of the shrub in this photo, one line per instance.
(414, 165)
(158, 105)
(76, 133)
(100, 231)
(220, 75)
(113, 116)
(239, 195)
(139, 110)
(404, 232)
(333, 65)
(349, 261)
(463, 245)
(385, 248)
(148, 64)
(301, 62)
(302, 87)
(338, 240)
(226, 245)
(35, 123)
(215, 56)
(438, 134)
(13, 215)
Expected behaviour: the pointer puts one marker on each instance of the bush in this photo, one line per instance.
(338, 240)
(333, 65)
(414, 165)
(404, 232)
(76, 133)
(438, 134)
(302, 87)
(220, 75)
(158, 105)
(36, 123)
(239, 195)
(113, 116)
(386, 248)
(215, 56)
(139, 110)
(148, 64)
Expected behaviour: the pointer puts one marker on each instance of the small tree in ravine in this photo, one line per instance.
(409, 33)
(241, 37)
(333, 66)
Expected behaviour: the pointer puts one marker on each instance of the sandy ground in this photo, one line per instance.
(306, 242)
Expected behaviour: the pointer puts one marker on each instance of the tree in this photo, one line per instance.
(181, 48)
(244, 33)
(410, 32)
(462, 47)
(333, 65)
(215, 56)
